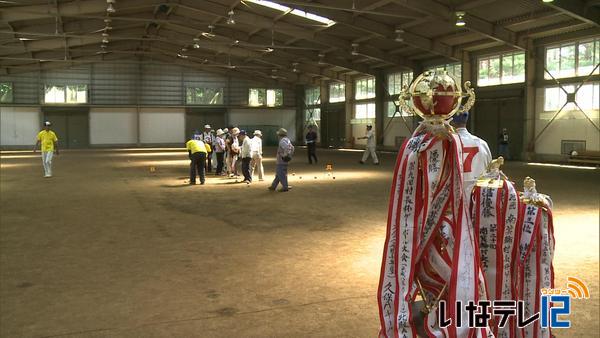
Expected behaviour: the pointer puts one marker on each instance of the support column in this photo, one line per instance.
(532, 57)
(299, 90)
(349, 110)
(380, 98)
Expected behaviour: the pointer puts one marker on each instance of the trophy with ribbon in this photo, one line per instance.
(430, 250)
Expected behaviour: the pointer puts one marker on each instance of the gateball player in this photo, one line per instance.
(49, 145)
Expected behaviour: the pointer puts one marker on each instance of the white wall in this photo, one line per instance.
(113, 126)
(396, 128)
(566, 129)
(19, 125)
(162, 125)
(285, 118)
(571, 124)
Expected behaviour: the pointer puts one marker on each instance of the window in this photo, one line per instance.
(572, 59)
(398, 80)
(72, 94)
(265, 97)
(395, 83)
(587, 98)
(274, 97)
(204, 95)
(391, 110)
(454, 69)
(312, 96)
(365, 111)
(365, 88)
(294, 11)
(337, 92)
(501, 69)
(311, 114)
(6, 92)
(257, 97)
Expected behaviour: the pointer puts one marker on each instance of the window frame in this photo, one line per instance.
(503, 78)
(337, 99)
(367, 79)
(10, 94)
(559, 98)
(367, 104)
(576, 68)
(220, 102)
(266, 92)
(66, 88)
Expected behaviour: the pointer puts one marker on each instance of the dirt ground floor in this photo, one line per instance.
(107, 248)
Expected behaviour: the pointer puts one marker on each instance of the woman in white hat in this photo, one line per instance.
(219, 151)
(256, 149)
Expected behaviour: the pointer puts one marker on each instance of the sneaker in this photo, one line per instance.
(201, 183)
(376, 163)
(284, 190)
(271, 188)
(192, 183)
(246, 181)
(361, 162)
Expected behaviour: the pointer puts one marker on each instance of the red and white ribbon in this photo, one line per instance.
(495, 215)
(429, 237)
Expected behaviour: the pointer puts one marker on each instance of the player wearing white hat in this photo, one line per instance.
(371, 145)
(256, 148)
(219, 150)
(284, 156)
(208, 138)
(49, 145)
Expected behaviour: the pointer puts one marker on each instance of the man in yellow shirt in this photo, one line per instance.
(197, 151)
(49, 145)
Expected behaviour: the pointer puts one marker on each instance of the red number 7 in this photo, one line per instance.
(471, 152)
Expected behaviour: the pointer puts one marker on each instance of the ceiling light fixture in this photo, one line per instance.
(547, 1)
(196, 45)
(460, 19)
(295, 67)
(321, 58)
(111, 8)
(209, 34)
(355, 49)
(399, 35)
(269, 50)
(230, 20)
(182, 56)
(104, 40)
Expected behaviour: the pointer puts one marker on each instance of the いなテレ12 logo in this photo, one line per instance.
(557, 302)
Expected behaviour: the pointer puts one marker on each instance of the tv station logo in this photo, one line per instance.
(554, 310)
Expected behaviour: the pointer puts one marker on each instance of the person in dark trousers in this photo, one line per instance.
(285, 151)
(220, 151)
(208, 138)
(246, 154)
(311, 144)
(197, 154)
(503, 142)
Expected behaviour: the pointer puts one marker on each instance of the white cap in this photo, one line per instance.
(207, 126)
(220, 132)
(257, 133)
(235, 131)
(47, 123)
(282, 132)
